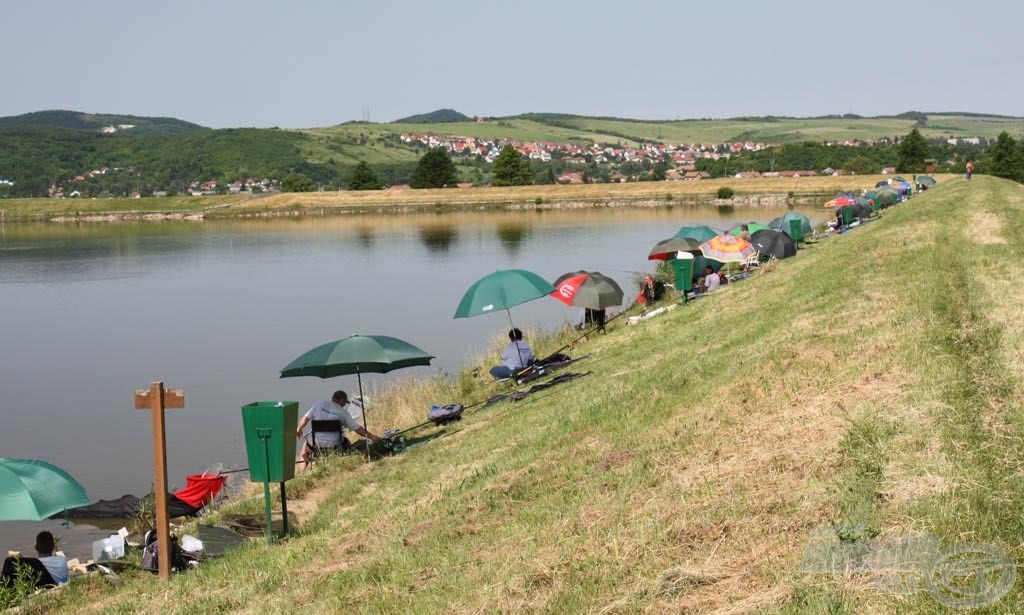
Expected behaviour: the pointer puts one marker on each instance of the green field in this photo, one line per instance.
(870, 386)
(780, 130)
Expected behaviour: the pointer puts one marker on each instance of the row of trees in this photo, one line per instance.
(1006, 158)
(436, 169)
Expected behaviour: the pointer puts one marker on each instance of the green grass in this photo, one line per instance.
(779, 130)
(49, 208)
(872, 382)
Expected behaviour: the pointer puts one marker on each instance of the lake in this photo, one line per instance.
(93, 312)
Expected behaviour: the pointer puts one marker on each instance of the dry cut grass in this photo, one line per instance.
(562, 193)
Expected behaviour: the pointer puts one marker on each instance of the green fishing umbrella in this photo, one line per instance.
(33, 490)
(378, 354)
(357, 354)
(887, 196)
(782, 222)
(502, 290)
(700, 233)
(752, 227)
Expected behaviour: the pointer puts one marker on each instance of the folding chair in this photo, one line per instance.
(14, 566)
(322, 427)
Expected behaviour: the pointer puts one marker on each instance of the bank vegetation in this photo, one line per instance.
(873, 383)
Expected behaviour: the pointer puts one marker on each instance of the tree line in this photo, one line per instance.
(34, 158)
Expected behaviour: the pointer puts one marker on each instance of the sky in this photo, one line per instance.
(313, 63)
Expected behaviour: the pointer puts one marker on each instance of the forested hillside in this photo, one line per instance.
(68, 153)
(101, 122)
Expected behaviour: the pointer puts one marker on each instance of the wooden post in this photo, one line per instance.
(155, 400)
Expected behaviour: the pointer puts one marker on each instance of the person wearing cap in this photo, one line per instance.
(334, 409)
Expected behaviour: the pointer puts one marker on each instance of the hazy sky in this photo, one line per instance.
(309, 63)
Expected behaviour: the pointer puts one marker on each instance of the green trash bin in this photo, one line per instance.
(684, 275)
(273, 422)
(796, 230)
(847, 216)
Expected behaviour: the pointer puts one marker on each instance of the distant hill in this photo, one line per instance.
(439, 116)
(101, 122)
(46, 147)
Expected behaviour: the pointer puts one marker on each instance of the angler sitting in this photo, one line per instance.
(48, 569)
(335, 410)
(515, 357)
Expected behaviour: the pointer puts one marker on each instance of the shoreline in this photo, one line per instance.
(755, 192)
(222, 212)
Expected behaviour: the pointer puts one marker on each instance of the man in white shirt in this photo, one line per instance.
(711, 279)
(335, 409)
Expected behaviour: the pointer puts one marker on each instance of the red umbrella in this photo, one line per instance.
(841, 201)
(589, 289)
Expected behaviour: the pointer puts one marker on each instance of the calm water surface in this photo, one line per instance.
(92, 312)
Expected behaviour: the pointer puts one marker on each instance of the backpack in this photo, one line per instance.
(151, 558)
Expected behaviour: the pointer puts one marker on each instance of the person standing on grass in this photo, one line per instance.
(970, 170)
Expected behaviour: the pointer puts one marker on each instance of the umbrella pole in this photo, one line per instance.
(516, 342)
(362, 406)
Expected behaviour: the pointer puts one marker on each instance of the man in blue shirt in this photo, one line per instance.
(515, 357)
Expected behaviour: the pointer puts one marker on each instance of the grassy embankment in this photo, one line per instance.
(320, 202)
(873, 381)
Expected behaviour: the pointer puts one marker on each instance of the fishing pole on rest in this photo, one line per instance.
(517, 388)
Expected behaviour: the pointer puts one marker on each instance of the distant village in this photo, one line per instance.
(683, 156)
(681, 159)
(208, 187)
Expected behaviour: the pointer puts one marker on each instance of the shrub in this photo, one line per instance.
(538, 200)
(725, 192)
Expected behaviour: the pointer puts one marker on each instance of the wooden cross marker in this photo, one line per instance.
(156, 399)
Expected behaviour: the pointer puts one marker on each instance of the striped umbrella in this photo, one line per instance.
(727, 248)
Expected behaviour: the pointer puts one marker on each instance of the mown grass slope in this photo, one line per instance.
(874, 381)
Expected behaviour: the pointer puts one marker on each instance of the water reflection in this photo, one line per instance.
(438, 239)
(512, 235)
(364, 235)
